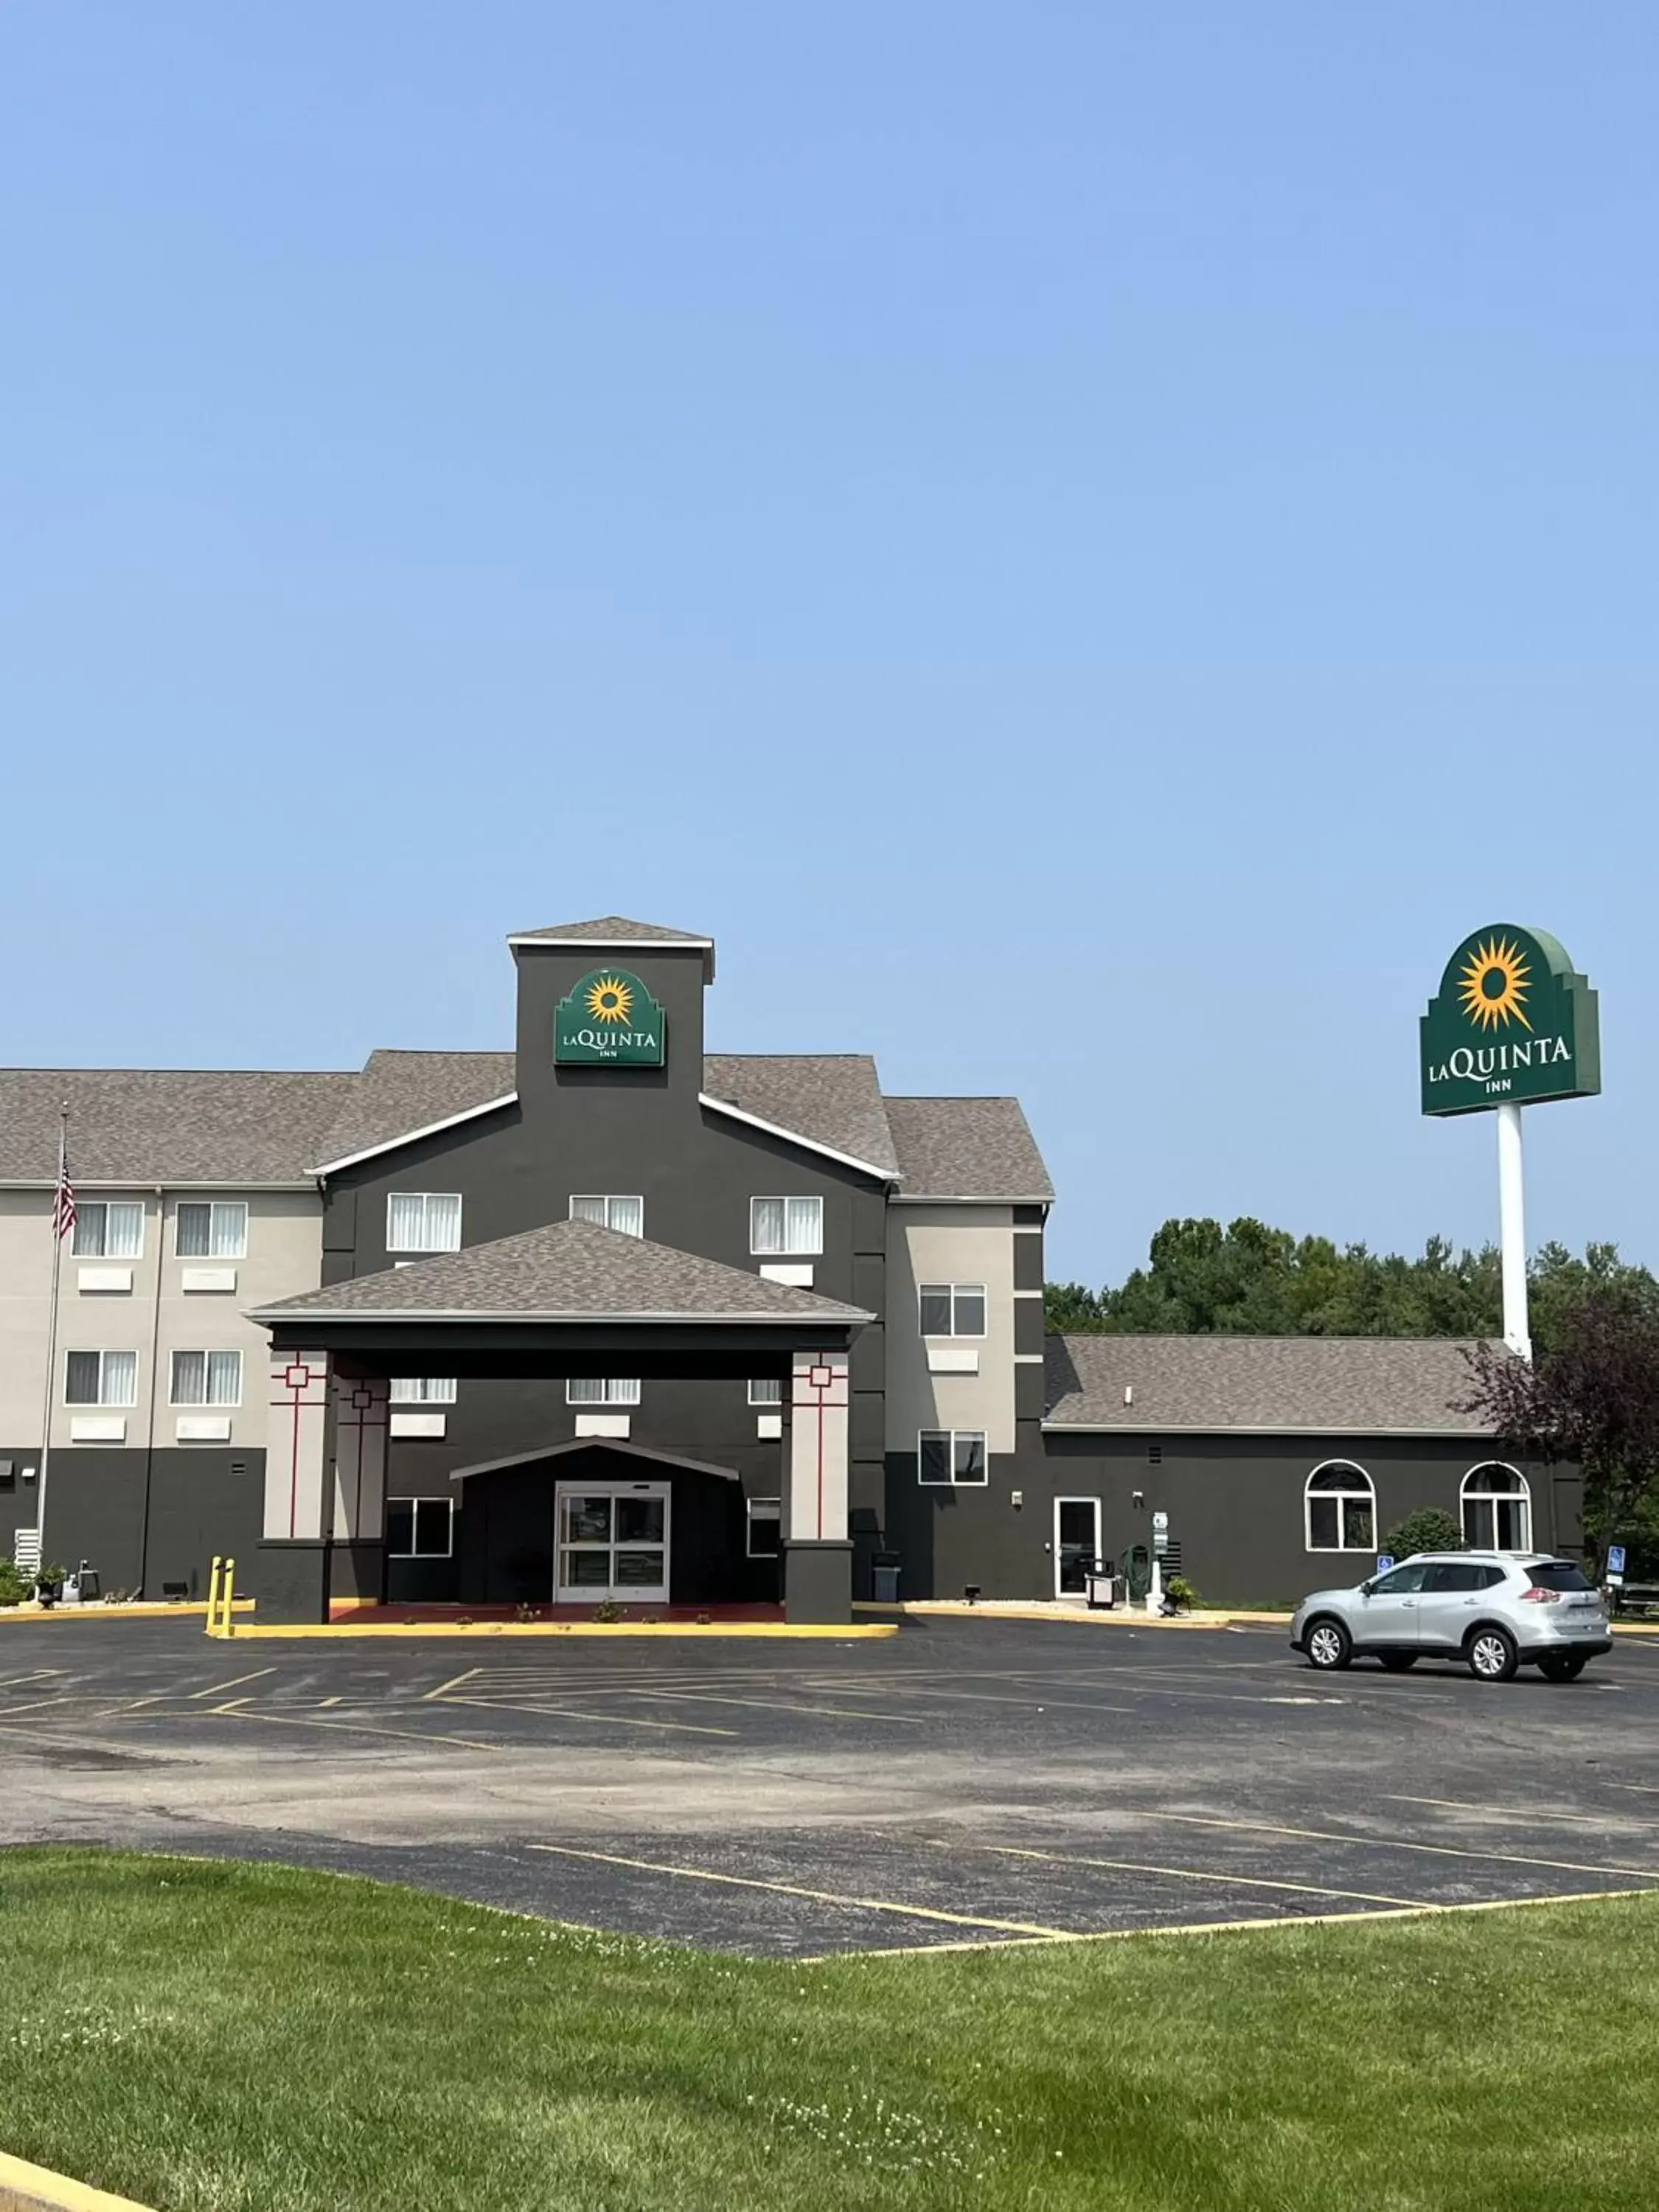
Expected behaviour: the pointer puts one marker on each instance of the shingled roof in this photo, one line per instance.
(616, 932)
(966, 1148)
(832, 1098)
(167, 1125)
(568, 1271)
(1331, 1385)
(399, 1092)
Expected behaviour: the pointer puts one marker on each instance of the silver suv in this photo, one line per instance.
(1496, 1610)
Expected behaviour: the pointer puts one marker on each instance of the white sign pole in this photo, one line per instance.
(1512, 1230)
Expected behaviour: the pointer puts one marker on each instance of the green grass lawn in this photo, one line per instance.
(207, 2035)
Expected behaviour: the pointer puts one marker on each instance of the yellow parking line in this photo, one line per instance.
(34, 1704)
(996, 1698)
(566, 1713)
(1181, 1874)
(1494, 1812)
(817, 1896)
(214, 1688)
(234, 1712)
(1397, 1844)
(1230, 1927)
(782, 1705)
(443, 1687)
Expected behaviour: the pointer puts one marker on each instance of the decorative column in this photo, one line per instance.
(817, 1552)
(361, 1426)
(291, 1578)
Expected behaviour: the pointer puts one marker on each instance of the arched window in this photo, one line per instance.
(1341, 1509)
(1497, 1509)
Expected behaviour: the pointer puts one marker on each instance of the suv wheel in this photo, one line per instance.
(1563, 1666)
(1491, 1655)
(1328, 1644)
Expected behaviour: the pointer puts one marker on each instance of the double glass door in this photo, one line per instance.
(612, 1541)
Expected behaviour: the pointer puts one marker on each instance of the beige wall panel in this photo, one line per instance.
(949, 1244)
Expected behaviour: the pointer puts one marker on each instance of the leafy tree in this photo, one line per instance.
(1430, 1528)
(1202, 1280)
(1590, 1395)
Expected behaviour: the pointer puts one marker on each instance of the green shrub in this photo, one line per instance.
(1430, 1528)
(1180, 1591)
(15, 1584)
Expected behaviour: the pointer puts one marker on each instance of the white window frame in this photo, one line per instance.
(421, 1390)
(786, 1250)
(619, 1390)
(606, 1200)
(1362, 1490)
(957, 1481)
(84, 1209)
(102, 1400)
(953, 1292)
(206, 1354)
(213, 1208)
(415, 1505)
(767, 1384)
(425, 1197)
(770, 1509)
(1520, 1496)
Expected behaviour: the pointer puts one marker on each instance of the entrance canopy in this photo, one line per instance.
(542, 1302)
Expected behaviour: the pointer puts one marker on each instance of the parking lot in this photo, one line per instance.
(969, 1782)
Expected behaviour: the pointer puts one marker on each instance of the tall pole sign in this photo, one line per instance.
(1512, 1024)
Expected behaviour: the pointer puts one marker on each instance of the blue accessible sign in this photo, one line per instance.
(1384, 1561)
(1616, 1558)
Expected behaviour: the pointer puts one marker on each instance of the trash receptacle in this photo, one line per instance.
(1100, 1590)
(885, 1578)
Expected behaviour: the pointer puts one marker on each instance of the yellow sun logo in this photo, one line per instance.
(610, 999)
(1494, 985)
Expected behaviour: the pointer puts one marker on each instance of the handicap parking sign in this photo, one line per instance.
(1384, 1561)
(1616, 1558)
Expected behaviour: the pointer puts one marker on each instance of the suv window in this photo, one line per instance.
(1558, 1574)
(1398, 1582)
(1458, 1575)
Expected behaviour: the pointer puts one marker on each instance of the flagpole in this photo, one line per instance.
(58, 1232)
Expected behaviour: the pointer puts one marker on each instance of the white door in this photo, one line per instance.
(1077, 1543)
(612, 1541)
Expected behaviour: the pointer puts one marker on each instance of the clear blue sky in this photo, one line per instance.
(1087, 544)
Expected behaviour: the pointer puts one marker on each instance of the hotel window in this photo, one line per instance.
(625, 1215)
(777, 1226)
(108, 1228)
(601, 1390)
(765, 1390)
(100, 1378)
(1497, 1509)
(206, 1378)
(422, 1221)
(215, 1229)
(1341, 1507)
(765, 1518)
(419, 1527)
(951, 1456)
(423, 1390)
(952, 1308)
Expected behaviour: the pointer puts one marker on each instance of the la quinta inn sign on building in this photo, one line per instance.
(606, 1315)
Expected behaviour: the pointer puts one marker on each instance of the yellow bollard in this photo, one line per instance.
(229, 1593)
(213, 1595)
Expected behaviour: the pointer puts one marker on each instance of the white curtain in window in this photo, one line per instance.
(627, 1215)
(123, 1231)
(443, 1224)
(224, 1378)
(81, 1379)
(587, 1209)
(195, 1233)
(601, 1390)
(804, 1226)
(766, 1222)
(190, 1378)
(424, 1390)
(228, 1236)
(405, 1221)
(120, 1379)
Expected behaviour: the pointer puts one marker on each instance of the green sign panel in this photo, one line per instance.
(610, 1020)
(1511, 1024)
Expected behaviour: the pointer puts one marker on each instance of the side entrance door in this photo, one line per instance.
(1077, 1543)
(611, 1541)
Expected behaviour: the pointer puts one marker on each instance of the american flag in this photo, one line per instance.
(63, 1205)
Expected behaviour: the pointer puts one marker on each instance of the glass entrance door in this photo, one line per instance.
(612, 1541)
(1077, 1543)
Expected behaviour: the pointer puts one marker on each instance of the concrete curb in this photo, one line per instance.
(101, 1612)
(26, 2188)
(338, 1631)
(1118, 1617)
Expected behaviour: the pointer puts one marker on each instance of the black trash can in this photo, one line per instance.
(885, 1578)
